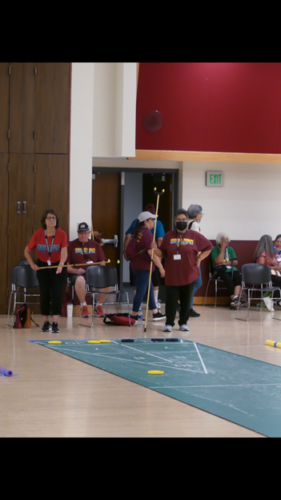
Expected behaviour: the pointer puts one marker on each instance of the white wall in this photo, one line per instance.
(248, 205)
(114, 115)
(81, 133)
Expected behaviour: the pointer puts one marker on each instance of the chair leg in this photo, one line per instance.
(216, 292)
(206, 292)
(9, 307)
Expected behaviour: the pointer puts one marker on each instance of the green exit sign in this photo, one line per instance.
(214, 178)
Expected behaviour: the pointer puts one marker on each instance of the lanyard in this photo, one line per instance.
(179, 242)
(49, 247)
(88, 249)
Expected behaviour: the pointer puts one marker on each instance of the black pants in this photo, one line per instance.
(276, 281)
(173, 294)
(231, 281)
(51, 288)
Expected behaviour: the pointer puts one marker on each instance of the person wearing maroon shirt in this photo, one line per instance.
(140, 264)
(83, 250)
(51, 243)
(180, 249)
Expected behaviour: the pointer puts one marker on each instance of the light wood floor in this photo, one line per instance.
(54, 395)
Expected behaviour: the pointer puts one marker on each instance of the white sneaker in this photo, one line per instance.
(184, 328)
(269, 303)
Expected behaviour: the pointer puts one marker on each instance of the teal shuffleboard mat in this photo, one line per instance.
(240, 389)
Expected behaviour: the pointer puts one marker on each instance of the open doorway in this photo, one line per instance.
(118, 196)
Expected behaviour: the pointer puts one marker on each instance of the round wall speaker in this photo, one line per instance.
(153, 121)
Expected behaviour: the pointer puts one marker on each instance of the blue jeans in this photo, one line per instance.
(142, 280)
(197, 284)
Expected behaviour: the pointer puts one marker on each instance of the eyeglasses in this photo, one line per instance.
(51, 218)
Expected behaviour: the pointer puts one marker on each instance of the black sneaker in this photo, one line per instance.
(193, 314)
(158, 316)
(55, 328)
(47, 327)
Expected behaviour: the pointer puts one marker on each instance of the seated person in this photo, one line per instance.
(160, 233)
(83, 250)
(277, 248)
(264, 254)
(223, 259)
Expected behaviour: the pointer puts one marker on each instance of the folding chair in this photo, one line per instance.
(98, 277)
(23, 278)
(217, 280)
(259, 275)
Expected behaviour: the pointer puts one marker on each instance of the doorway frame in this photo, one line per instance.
(175, 173)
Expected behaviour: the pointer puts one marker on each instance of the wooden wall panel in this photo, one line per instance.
(22, 100)
(52, 188)
(21, 207)
(52, 108)
(3, 230)
(4, 107)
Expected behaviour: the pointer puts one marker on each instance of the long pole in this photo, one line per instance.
(151, 262)
(76, 265)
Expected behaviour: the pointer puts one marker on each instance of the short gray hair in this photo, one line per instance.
(220, 236)
(194, 210)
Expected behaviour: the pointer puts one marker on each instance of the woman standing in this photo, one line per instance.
(51, 243)
(180, 249)
(140, 264)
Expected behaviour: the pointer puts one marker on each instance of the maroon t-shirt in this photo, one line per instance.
(83, 252)
(143, 259)
(187, 245)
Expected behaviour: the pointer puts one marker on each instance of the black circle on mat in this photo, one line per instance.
(157, 340)
(127, 340)
(172, 340)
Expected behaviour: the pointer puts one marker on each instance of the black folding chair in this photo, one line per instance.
(98, 277)
(259, 277)
(23, 280)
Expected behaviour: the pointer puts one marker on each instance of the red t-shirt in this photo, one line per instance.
(143, 259)
(38, 240)
(184, 271)
(83, 252)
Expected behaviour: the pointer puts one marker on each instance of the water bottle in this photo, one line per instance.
(140, 318)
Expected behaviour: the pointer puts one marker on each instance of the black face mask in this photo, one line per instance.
(181, 226)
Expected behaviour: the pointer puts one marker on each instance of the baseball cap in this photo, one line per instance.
(83, 226)
(146, 215)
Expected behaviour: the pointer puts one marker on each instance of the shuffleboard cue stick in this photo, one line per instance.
(151, 262)
(76, 265)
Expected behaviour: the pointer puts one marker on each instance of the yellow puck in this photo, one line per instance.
(105, 341)
(155, 372)
(93, 341)
(54, 342)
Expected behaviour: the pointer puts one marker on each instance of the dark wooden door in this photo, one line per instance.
(52, 108)
(22, 100)
(4, 290)
(4, 107)
(106, 188)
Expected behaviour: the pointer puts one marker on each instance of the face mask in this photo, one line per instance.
(181, 225)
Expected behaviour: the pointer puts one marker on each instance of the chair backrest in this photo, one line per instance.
(25, 277)
(256, 274)
(101, 276)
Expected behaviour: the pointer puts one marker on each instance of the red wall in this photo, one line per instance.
(225, 107)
